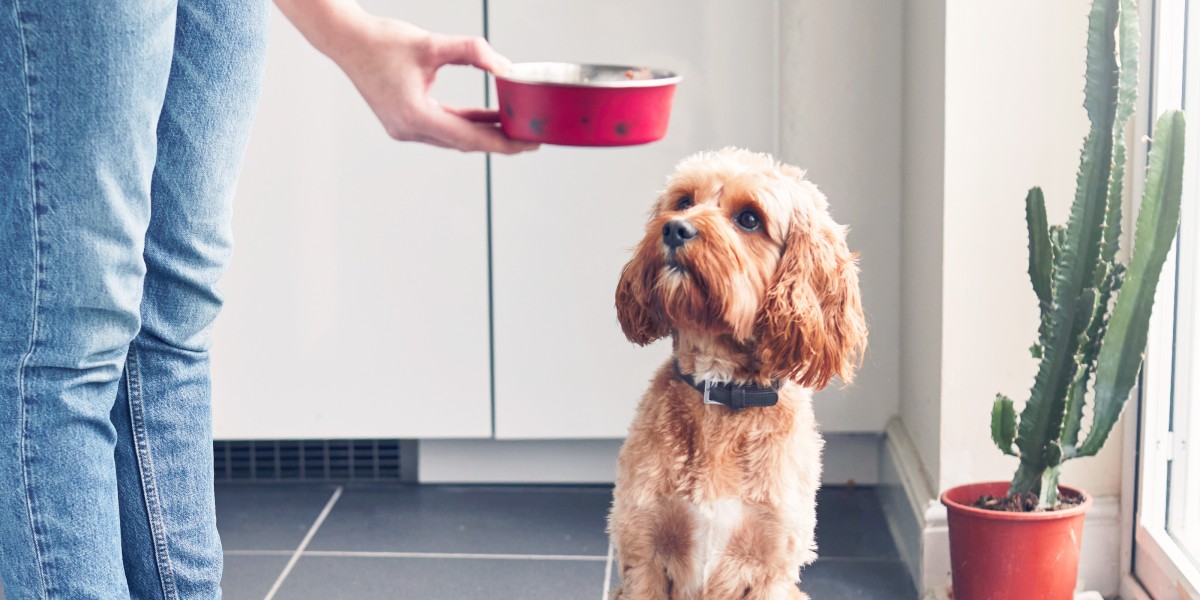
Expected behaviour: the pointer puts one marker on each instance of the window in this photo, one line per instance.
(1166, 525)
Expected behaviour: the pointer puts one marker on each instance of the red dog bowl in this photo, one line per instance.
(585, 105)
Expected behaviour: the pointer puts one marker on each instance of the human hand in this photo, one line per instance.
(394, 68)
(393, 64)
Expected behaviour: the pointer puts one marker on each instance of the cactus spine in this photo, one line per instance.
(1076, 275)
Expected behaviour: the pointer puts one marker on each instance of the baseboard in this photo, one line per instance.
(504, 461)
(1100, 562)
(918, 523)
(849, 458)
(914, 516)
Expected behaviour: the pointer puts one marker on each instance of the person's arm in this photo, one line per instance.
(393, 64)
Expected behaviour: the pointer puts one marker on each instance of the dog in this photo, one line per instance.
(743, 267)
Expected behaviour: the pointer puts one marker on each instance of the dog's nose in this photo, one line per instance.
(677, 232)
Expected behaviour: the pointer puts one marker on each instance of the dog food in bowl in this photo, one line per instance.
(585, 105)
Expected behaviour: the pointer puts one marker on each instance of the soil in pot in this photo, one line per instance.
(1025, 502)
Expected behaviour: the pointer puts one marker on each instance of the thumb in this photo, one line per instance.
(466, 50)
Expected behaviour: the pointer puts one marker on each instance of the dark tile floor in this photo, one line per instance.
(308, 542)
(490, 542)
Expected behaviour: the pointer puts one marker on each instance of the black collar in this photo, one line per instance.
(732, 395)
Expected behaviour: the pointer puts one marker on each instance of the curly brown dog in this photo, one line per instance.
(716, 484)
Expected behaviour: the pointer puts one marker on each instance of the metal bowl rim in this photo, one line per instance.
(662, 77)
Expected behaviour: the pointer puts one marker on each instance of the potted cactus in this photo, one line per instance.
(1021, 539)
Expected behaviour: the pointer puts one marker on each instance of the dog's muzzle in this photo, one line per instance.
(678, 232)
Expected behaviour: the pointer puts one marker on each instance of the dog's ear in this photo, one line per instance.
(811, 326)
(640, 321)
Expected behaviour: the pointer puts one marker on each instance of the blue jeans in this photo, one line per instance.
(122, 128)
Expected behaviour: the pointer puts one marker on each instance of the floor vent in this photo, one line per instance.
(271, 461)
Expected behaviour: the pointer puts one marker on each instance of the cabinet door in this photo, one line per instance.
(564, 219)
(357, 298)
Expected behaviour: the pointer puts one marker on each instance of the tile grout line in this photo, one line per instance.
(454, 555)
(447, 555)
(304, 543)
(607, 572)
(609, 560)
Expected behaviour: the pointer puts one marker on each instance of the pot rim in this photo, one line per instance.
(966, 509)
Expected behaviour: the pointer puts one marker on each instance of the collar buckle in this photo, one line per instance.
(736, 397)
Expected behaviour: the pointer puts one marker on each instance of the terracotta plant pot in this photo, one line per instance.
(1006, 556)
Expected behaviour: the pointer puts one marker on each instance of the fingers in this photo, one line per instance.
(453, 131)
(478, 115)
(473, 51)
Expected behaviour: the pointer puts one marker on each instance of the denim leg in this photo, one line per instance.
(163, 414)
(82, 88)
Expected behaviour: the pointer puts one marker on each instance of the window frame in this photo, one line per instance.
(1157, 567)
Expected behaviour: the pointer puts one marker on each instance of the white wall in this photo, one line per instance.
(925, 122)
(840, 119)
(992, 105)
(1014, 119)
(934, 106)
(924, 52)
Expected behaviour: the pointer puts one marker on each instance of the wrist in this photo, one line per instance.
(348, 36)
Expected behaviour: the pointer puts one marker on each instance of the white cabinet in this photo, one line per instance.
(357, 299)
(563, 219)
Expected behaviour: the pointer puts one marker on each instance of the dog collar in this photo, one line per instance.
(732, 395)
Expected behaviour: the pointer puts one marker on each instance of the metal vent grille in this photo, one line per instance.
(315, 460)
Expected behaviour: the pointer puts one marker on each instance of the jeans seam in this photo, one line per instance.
(141, 444)
(38, 274)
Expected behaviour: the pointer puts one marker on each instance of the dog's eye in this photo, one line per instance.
(684, 203)
(748, 220)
